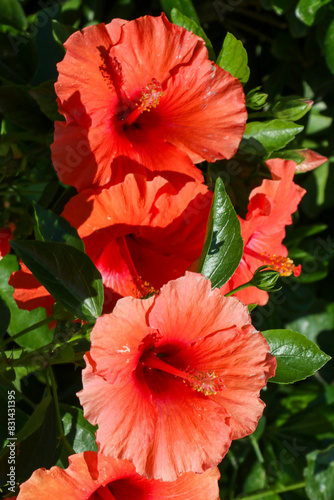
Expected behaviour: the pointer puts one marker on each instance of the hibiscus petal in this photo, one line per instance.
(201, 317)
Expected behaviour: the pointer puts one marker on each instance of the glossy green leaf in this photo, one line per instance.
(68, 274)
(262, 138)
(21, 319)
(78, 431)
(12, 14)
(223, 247)
(306, 10)
(56, 229)
(45, 97)
(297, 356)
(19, 107)
(186, 7)
(190, 25)
(319, 474)
(61, 32)
(329, 46)
(233, 58)
(291, 108)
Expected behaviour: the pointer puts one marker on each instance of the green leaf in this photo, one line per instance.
(297, 356)
(233, 58)
(37, 443)
(4, 317)
(68, 274)
(18, 58)
(45, 97)
(186, 8)
(54, 228)
(190, 25)
(288, 154)
(61, 32)
(223, 247)
(12, 14)
(262, 138)
(306, 10)
(78, 431)
(291, 108)
(19, 107)
(20, 319)
(319, 474)
(329, 46)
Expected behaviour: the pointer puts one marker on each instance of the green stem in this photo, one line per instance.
(61, 436)
(256, 449)
(30, 329)
(275, 491)
(241, 287)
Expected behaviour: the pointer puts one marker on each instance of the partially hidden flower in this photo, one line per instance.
(139, 234)
(312, 160)
(6, 234)
(172, 379)
(92, 476)
(28, 292)
(269, 212)
(142, 96)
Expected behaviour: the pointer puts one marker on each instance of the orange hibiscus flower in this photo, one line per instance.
(172, 379)
(142, 96)
(95, 477)
(139, 234)
(269, 211)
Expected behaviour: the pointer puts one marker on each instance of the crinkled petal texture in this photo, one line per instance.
(142, 95)
(92, 476)
(172, 379)
(139, 233)
(269, 211)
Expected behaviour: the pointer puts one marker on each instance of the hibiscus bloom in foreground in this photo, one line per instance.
(142, 92)
(91, 476)
(172, 379)
(269, 211)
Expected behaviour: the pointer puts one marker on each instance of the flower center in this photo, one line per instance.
(284, 265)
(102, 493)
(150, 98)
(206, 382)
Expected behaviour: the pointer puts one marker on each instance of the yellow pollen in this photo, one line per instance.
(150, 96)
(208, 383)
(284, 265)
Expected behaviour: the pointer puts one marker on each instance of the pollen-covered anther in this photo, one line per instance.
(150, 96)
(284, 265)
(209, 383)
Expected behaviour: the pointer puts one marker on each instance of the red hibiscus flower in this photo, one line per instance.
(139, 234)
(172, 379)
(142, 96)
(96, 477)
(6, 234)
(269, 211)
